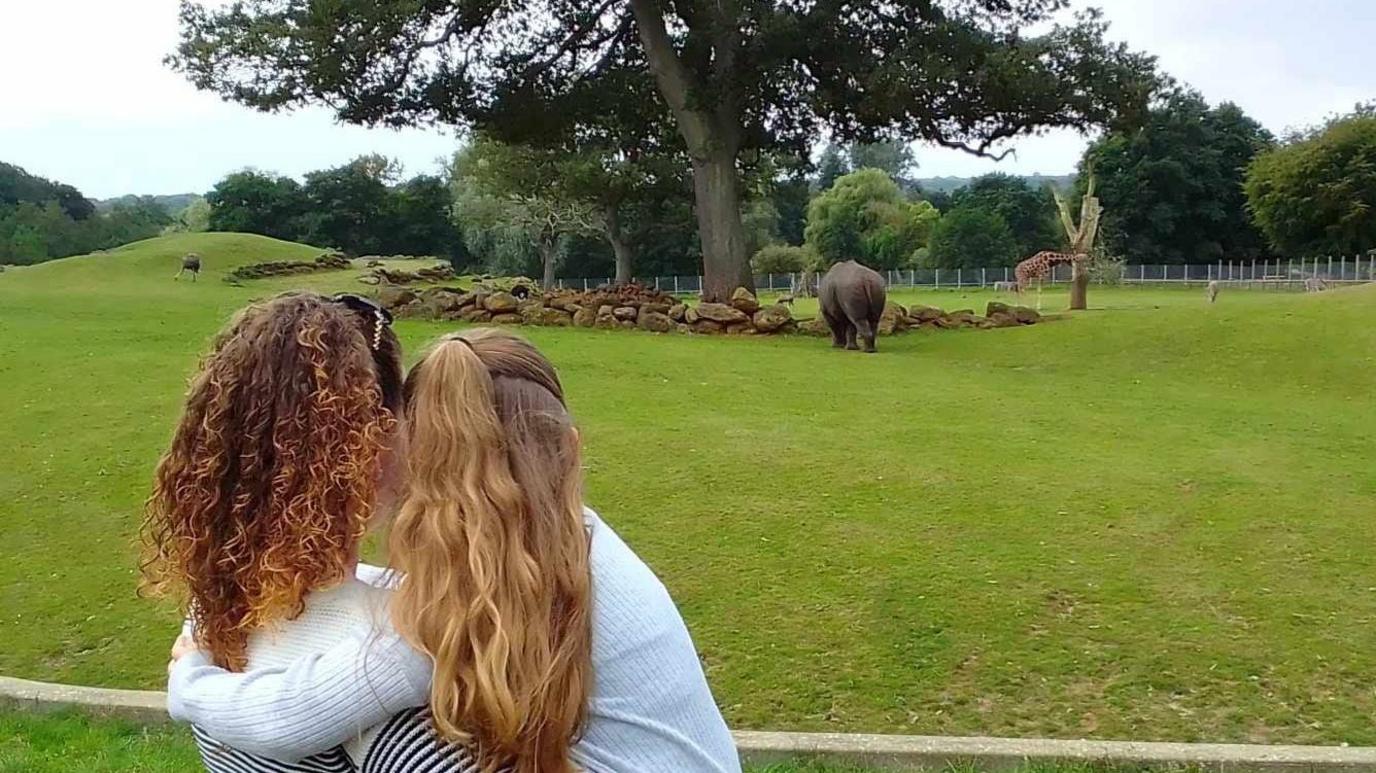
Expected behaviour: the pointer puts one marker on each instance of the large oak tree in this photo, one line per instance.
(736, 76)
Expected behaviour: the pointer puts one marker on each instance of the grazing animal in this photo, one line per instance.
(1007, 287)
(788, 299)
(190, 262)
(1212, 291)
(1315, 285)
(1039, 267)
(852, 300)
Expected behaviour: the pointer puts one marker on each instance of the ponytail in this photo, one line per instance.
(480, 593)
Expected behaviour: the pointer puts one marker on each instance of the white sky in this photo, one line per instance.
(85, 99)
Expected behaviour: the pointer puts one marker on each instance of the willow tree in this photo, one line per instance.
(734, 77)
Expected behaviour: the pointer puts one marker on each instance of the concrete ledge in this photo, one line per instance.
(883, 752)
(899, 752)
(142, 705)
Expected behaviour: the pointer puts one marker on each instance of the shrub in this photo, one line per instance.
(782, 259)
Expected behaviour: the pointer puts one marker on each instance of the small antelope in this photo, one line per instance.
(1315, 285)
(1007, 287)
(1212, 291)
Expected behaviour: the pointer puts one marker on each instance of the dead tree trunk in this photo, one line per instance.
(1081, 240)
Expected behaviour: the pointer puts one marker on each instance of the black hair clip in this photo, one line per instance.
(363, 305)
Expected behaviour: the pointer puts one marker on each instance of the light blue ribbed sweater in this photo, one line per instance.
(650, 709)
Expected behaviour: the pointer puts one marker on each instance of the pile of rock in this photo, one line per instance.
(898, 318)
(634, 306)
(330, 261)
(627, 306)
(442, 272)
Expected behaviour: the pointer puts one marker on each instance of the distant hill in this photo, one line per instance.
(173, 203)
(951, 184)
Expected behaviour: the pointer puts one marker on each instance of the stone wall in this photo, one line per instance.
(634, 306)
(330, 261)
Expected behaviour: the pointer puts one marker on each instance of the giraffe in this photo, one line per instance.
(1039, 267)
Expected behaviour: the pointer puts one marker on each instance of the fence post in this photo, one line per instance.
(1342, 269)
(938, 277)
(1330, 266)
(959, 280)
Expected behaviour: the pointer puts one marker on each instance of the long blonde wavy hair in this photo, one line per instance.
(493, 551)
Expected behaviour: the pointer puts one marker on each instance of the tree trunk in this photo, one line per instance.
(713, 136)
(548, 252)
(1079, 286)
(624, 259)
(725, 264)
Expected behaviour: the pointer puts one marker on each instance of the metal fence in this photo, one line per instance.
(1272, 274)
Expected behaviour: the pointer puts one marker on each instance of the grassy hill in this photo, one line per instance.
(1148, 521)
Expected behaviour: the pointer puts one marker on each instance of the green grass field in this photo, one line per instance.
(1149, 521)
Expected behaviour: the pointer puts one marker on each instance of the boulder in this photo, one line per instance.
(607, 322)
(543, 315)
(690, 315)
(995, 307)
(1026, 316)
(476, 314)
(678, 312)
(720, 312)
(657, 308)
(743, 300)
(1002, 319)
(625, 313)
(950, 322)
(395, 297)
(814, 327)
(584, 317)
(771, 318)
(655, 321)
(925, 313)
(501, 303)
(710, 327)
(442, 299)
(605, 310)
(894, 318)
(740, 329)
(506, 319)
(683, 327)
(369, 279)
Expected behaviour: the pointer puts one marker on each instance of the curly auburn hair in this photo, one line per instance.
(271, 476)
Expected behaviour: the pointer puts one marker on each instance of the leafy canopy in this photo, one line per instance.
(1316, 194)
(865, 217)
(1172, 191)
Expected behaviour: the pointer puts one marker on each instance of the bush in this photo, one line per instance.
(865, 217)
(783, 259)
(969, 237)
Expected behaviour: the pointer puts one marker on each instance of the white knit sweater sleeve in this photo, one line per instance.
(315, 703)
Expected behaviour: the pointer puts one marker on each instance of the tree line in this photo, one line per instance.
(41, 220)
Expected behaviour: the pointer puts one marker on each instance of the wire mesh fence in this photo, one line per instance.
(1262, 274)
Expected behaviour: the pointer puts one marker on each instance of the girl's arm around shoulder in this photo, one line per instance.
(313, 704)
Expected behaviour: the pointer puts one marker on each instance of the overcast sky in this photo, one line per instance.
(85, 99)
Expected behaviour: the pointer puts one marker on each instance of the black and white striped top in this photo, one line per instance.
(407, 743)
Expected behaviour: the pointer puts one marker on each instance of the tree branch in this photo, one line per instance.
(673, 78)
